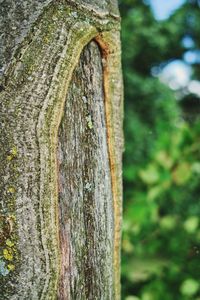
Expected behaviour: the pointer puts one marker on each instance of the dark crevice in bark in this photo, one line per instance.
(85, 197)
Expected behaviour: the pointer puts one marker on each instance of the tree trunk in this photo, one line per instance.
(61, 145)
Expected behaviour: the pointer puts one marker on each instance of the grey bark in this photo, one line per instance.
(85, 202)
(60, 155)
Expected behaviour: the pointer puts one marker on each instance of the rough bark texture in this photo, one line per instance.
(53, 202)
(86, 206)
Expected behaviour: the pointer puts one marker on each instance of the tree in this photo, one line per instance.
(61, 144)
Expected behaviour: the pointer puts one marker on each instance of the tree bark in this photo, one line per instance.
(61, 144)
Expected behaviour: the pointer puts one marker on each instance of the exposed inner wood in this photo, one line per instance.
(85, 192)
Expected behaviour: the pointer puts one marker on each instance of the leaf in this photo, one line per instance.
(196, 167)
(150, 175)
(154, 192)
(141, 269)
(189, 287)
(168, 222)
(191, 224)
(164, 159)
(182, 173)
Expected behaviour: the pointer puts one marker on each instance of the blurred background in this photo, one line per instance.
(161, 227)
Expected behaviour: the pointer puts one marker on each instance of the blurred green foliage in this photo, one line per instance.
(161, 227)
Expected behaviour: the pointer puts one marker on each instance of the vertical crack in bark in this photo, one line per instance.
(85, 192)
